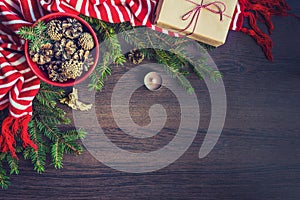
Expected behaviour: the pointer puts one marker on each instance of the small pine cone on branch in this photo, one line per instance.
(135, 56)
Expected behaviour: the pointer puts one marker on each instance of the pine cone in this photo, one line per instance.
(54, 29)
(81, 55)
(53, 75)
(86, 41)
(57, 77)
(135, 56)
(70, 49)
(59, 48)
(54, 71)
(72, 28)
(71, 69)
(54, 65)
(64, 49)
(88, 63)
(44, 55)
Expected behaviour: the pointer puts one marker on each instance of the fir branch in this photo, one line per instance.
(13, 164)
(111, 51)
(130, 35)
(36, 35)
(27, 33)
(45, 132)
(40, 27)
(57, 154)
(38, 158)
(171, 62)
(46, 122)
(172, 69)
(4, 179)
(59, 142)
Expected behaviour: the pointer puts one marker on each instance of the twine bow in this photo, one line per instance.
(216, 7)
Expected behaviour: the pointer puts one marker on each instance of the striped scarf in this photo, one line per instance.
(18, 85)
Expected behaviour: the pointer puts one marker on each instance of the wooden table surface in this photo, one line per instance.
(256, 157)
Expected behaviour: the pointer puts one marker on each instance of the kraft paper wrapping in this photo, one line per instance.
(209, 28)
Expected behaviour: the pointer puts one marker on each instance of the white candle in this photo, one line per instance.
(153, 81)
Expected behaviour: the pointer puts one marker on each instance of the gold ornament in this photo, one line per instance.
(73, 102)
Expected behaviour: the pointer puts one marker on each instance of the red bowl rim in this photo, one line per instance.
(36, 70)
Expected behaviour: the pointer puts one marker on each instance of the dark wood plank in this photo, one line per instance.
(257, 156)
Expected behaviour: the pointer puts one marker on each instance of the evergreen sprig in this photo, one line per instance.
(110, 51)
(45, 132)
(36, 35)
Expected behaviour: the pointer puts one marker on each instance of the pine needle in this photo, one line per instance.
(36, 35)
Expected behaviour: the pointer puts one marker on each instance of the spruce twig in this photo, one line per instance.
(36, 35)
(110, 51)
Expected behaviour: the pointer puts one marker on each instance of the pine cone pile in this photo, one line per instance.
(44, 55)
(67, 55)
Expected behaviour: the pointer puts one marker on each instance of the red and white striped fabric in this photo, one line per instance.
(18, 85)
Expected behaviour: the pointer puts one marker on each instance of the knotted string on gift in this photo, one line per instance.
(216, 7)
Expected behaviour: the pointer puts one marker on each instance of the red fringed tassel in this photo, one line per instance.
(12, 127)
(261, 38)
(7, 137)
(262, 10)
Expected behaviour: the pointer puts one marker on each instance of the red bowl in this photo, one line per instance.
(43, 74)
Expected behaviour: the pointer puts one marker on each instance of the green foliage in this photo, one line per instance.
(45, 132)
(110, 51)
(4, 179)
(36, 35)
(166, 50)
(43, 128)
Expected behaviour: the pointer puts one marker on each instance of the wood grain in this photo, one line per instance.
(257, 156)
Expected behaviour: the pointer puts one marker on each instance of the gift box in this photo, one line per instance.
(207, 21)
